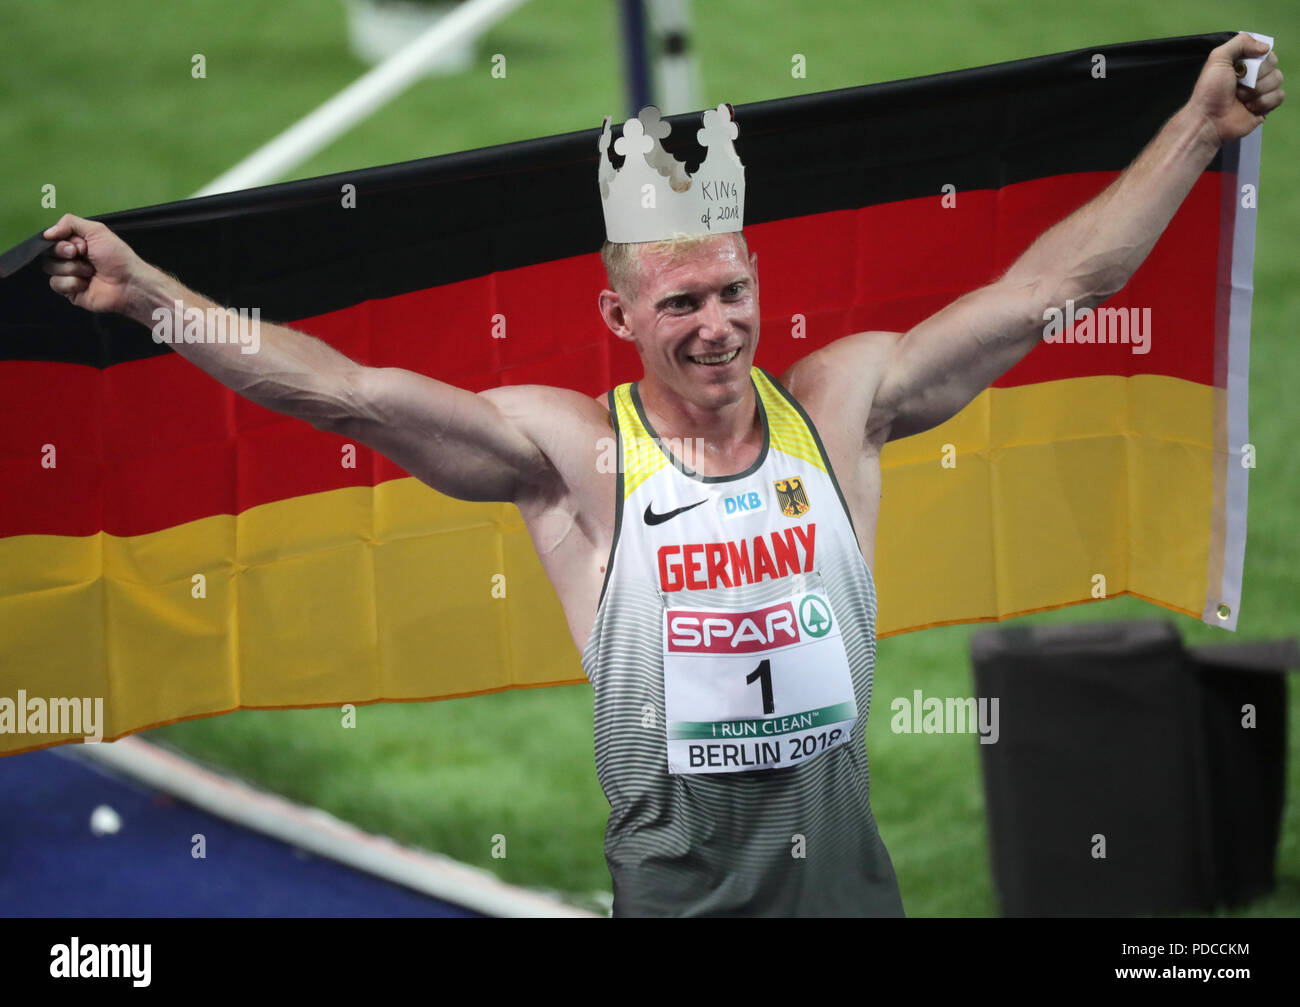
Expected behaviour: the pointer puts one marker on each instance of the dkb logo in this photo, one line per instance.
(743, 503)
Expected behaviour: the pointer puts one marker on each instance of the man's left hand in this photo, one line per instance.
(1229, 107)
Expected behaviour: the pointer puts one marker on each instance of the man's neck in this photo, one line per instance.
(726, 439)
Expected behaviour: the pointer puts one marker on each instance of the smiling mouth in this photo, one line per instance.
(714, 359)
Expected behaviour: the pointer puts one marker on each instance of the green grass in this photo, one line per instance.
(98, 100)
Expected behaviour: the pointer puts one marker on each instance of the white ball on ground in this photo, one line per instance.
(104, 821)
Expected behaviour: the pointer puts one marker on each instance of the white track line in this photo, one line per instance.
(360, 99)
(320, 833)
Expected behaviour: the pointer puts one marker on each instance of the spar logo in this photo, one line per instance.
(815, 615)
(705, 632)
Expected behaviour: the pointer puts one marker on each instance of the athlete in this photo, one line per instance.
(717, 579)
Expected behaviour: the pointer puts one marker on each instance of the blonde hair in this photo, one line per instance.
(622, 259)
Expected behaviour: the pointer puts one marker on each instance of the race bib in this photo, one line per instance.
(764, 688)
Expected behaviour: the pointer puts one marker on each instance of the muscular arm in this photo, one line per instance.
(934, 370)
(467, 445)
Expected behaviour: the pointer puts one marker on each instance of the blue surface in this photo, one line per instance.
(51, 864)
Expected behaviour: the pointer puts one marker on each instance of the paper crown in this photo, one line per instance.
(652, 198)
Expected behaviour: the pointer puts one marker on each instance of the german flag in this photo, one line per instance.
(181, 552)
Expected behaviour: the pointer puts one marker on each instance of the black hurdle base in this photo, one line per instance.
(1131, 775)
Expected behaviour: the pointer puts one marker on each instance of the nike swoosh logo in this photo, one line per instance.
(652, 518)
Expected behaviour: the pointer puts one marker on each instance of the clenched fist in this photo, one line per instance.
(91, 266)
(1232, 108)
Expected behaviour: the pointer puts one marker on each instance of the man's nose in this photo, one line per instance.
(713, 321)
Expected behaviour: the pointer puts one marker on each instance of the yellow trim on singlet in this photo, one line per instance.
(788, 432)
(642, 457)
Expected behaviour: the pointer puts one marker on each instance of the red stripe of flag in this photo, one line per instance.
(155, 443)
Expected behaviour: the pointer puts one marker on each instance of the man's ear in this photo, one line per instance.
(613, 309)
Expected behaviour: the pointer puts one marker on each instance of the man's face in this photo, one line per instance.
(695, 320)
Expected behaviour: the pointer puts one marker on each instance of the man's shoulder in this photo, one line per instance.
(541, 408)
(544, 395)
(852, 362)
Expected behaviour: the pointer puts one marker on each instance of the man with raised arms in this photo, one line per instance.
(724, 604)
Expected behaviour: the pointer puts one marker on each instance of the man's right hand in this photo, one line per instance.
(90, 265)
